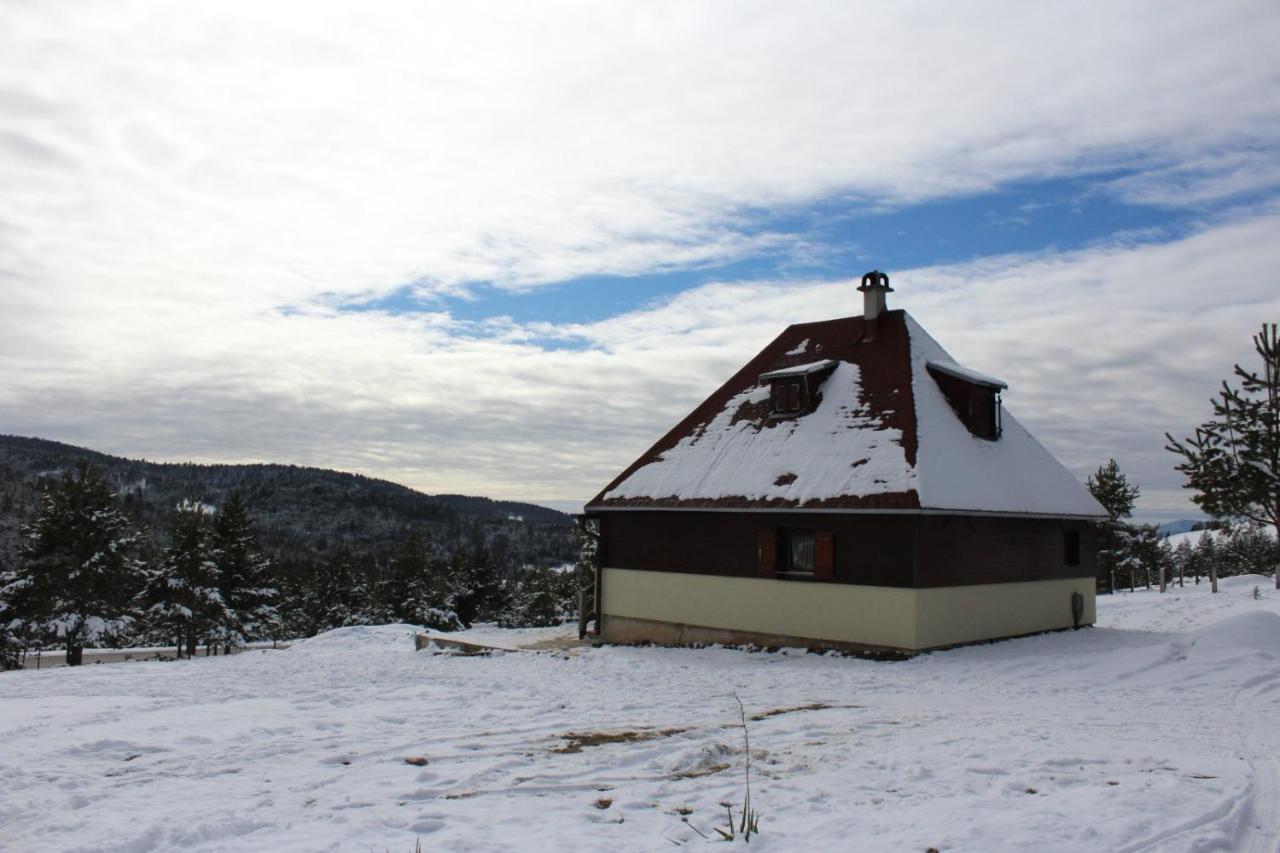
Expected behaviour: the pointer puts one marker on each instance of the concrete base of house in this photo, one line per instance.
(670, 608)
(624, 629)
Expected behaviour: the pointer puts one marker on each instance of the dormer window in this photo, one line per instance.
(792, 388)
(787, 396)
(984, 413)
(974, 397)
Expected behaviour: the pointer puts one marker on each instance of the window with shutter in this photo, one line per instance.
(824, 556)
(768, 553)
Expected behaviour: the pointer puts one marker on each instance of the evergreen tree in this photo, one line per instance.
(536, 602)
(1182, 560)
(10, 642)
(77, 576)
(1233, 460)
(415, 588)
(587, 533)
(294, 603)
(1247, 549)
(403, 588)
(1208, 560)
(1144, 548)
(1112, 489)
(338, 596)
(478, 592)
(244, 576)
(182, 593)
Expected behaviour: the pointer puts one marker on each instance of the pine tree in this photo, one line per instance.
(1247, 549)
(77, 576)
(1208, 553)
(182, 593)
(10, 642)
(1112, 489)
(338, 595)
(1144, 547)
(1233, 460)
(244, 576)
(403, 589)
(536, 601)
(587, 533)
(1182, 559)
(477, 589)
(415, 589)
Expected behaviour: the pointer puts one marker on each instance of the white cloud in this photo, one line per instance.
(175, 174)
(1104, 350)
(274, 152)
(1200, 180)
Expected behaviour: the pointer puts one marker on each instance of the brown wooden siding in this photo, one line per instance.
(877, 550)
(974, 549)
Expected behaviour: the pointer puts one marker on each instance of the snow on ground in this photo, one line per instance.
(1154, 731)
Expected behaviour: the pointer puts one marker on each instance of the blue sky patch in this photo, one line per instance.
(843, 236)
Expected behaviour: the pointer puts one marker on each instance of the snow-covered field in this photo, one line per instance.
(1158, 730)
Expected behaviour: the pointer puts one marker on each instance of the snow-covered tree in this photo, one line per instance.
(587, 534)
(1233, 460)
(1208, 553)
(10, 642)
(244, 576)
(1247, 549)
(339, 595)
(1112, 489)
(1181, 560)
(536, 600)
(77, 576)
(1144, 552)
(415, 589)
(183, 594)
(478, 592)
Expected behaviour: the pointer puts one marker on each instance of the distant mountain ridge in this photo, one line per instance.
(304, 512)
(1182, 525)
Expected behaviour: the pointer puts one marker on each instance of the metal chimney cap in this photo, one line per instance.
(873, 279)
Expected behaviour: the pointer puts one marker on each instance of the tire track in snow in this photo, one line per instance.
(1260, 827)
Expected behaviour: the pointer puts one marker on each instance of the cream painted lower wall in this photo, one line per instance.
(911, 619)
(870, 615)
(947, 616)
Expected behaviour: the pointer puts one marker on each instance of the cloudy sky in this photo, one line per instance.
(500, 249)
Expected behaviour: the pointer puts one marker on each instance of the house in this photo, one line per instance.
(851, 487)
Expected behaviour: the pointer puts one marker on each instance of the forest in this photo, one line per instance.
(101, 551)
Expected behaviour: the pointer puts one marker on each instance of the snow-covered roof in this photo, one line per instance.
(798, 370)
(959, 372)
(1014, 474)
(798, 460)
(879, 435)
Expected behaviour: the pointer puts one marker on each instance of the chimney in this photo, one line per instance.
(875, 285)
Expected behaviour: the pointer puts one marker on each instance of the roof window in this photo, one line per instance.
(973, 396)
(792, 388)
(787, 396)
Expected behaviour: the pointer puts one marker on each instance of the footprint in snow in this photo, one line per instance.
(427, 825)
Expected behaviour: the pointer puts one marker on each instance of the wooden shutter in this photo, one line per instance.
(768, 553)
(824, 555)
